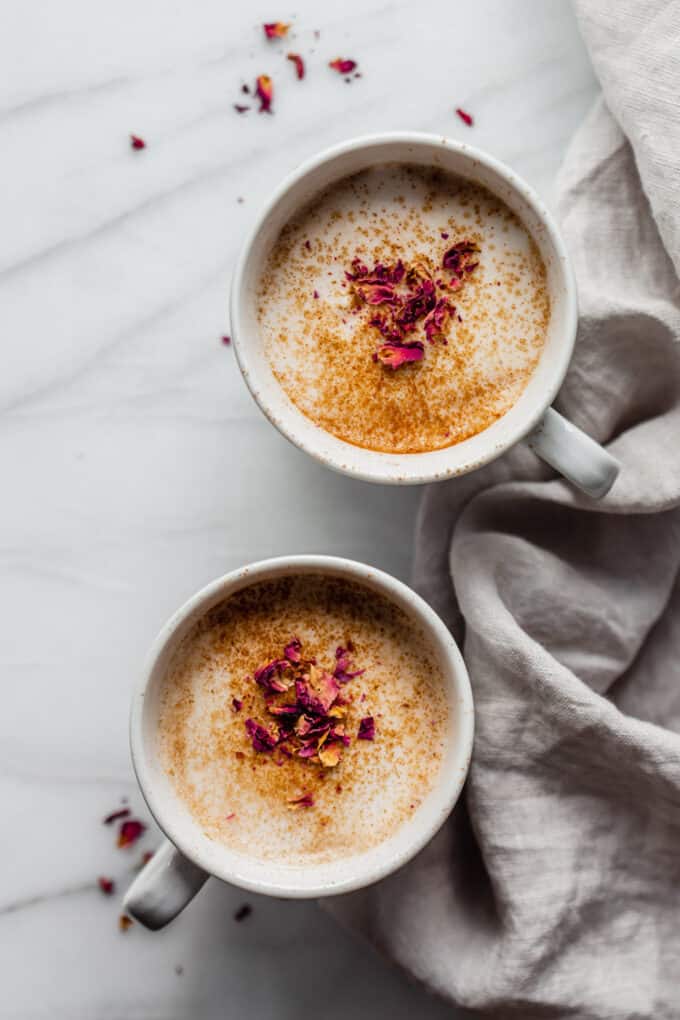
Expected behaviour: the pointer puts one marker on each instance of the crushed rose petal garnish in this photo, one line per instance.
(401, 298)
(226, 340)
(342, 66)
(146, 857)
(124, 922)
(275, 29)
(107, 885)
(366, 728)
(299, 64)
(264, 90)
(240, 108)
(136, 142)
(236, 704)
(230, 816)
(311, 725)
(116, 815)
(130, 831)
(465, 117)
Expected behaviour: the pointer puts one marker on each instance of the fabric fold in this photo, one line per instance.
(554, 890)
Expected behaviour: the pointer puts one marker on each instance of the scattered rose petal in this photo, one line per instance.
(245, 89)
(129, 832)
(260, 736)
(436, 320)
(299, 64)
(124, 922)
(331, 754)
(342, 66)
(240, 108)
(465, 117)
(230, 816)
(444, 235)
(146, 857)
(116, 815)
(270, 676)
(366, 728)
(107, 885)
(265, 92)
(396, 355)
(226, 340)
(243, 912)
(236, 704)
(316, 294)
(293, 650)
(342, 672)
(275, 29)
(305, 800)
(136, 142)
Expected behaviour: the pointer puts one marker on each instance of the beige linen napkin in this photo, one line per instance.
(555, 889)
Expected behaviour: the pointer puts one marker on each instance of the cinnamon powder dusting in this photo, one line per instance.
(272, 802)
(336, 362)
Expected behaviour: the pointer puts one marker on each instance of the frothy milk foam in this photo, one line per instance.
(321, 350)
(240, 797)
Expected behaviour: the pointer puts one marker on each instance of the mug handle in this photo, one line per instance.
(574, 454)
(163, 888)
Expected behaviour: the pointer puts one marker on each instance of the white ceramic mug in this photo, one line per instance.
(552, 437)
(181, 866)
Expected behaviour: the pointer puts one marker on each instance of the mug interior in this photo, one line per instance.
(297, 191)
(282, 878)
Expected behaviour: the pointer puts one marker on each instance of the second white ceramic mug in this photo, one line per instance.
(181, 866)
(574, 454)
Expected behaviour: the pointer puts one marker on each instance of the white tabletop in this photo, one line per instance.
(135, 466)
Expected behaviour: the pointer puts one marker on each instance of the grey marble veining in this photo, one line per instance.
(135, 466)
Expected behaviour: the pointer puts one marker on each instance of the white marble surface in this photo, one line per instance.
(135, 467)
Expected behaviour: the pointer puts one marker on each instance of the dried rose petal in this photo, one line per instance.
(436, 321)
(305, 800)
(316, 294)
(230, 816)
(260, 736)
(293, 650)
(129, 832)
(146, 857)
(456, 257)
(243, 912)
(299, 64)
(376, 293)
(284, 710)
(136, 142)
(366, 728)
(342, 672)
(124, 922)
(107, 885)
(226, 340)
(116, 815)
(240, 108)
(396, 355)
(275, 29)
(264, 91)
(236, 704)
(465, 117)
(417, 305)
(270, 676)
(342, 66)
(330, 755)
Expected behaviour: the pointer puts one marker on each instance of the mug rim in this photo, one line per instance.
(411, 469)
(446, 789)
